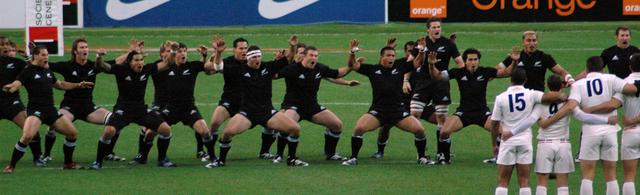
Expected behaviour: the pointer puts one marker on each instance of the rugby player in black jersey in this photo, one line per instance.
(39, 82)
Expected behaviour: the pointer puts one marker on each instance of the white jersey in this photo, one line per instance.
(557, 130)
(593, 90)
(632, 102)
(513, 106)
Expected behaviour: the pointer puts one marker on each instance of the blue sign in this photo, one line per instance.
(160, 13)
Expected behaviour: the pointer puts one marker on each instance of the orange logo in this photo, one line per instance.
(631, 7)
(428, 9)
(561, 8)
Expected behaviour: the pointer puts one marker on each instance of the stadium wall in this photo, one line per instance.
(514, 10)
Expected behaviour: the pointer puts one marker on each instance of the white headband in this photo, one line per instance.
(254, 53)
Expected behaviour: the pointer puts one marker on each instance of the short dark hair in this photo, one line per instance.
(301, 45)
(182, 45)
(554, 82)
(470, 51)
(622, 28)
(74, 46)
(518, 76)
(409, 43)
(130, 56)
(253, 48)
(310, 47)
(433, 20)
(594, 64)
(634, 62)
(12, 44)
(385, 49)
(38, 49)
(238, 40)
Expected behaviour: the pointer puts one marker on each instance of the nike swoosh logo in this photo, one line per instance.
(118, 10)
(270, 9)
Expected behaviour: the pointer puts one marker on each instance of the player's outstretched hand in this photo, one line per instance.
(433, 58)
(353, 45)
(353, 83)
(391, 42)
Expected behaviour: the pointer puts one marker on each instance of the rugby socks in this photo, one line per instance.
(628, 188)
(293, 146)
(141, 141)
(282, 143)
(421, 145)
(145, 149)
(199, 142)
(382, 139)
(439, 146)
(163, 146)
(49, 140)
(114, 139)
(268, 137)
(102, 148)
(446, 147)
(209, 143)
(541, 190)
(381, 146)
(525, 191)
(212, 153)
(356, 144)
(586, 187)
(35, 146)
(331, 139)
(501, 191)
(613, 188)
(563, 191)
(68, 147)
(18, 152)
(225, 146)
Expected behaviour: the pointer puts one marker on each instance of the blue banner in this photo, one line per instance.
(161, 13)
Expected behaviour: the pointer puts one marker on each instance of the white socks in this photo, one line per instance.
(563, 191)
(541, 190)
(501, 191)
(586, 187)
(612, 188)
(525, 191)
(628, 188)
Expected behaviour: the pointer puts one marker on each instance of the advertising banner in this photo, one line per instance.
(44, 25)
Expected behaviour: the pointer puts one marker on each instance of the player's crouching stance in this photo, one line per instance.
(132, 80)
(39, 82)
(387, 109)
(256, 107)
(511, 107)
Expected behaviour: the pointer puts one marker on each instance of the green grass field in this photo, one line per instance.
(396, 173)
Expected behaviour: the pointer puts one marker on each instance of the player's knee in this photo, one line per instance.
(73, 134)
(164, 129)
(336, 127)
(109, 131)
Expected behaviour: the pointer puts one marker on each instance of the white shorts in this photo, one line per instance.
(554, 156)
(515, 154)
(630, 149)
(599, 147)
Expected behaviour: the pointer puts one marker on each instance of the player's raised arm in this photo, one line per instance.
(515, 56)
(134, 45)
(433, 71)
(215, 63)
(168, 60)
(293, 43)
(419, 60)
(100, 60)
(352, 61)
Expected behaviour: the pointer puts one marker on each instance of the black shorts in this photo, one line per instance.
(123, 116)
(442, 93)
(473, 118)
(389, 117)
(47, 114)
(258, 118)
(160, 108)
(233, 107)
(188, 115)
(10, 108)
(306, 112)
(80, 110)
(436, 92)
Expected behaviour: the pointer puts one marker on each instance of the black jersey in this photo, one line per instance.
(161, 93)
(536, 66)
(256, 84)
(10, 68)
(303, 83)
(473, 87)
(386, 84)
(445, 50)
(39, 84)
(182, 82)
(131, 85)
(75, 73)
(617, 59)
(231, 90)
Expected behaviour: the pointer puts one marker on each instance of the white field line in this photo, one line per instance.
(489, 102)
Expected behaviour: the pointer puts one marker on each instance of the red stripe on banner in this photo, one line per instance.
(49, 32)
(72, 1)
